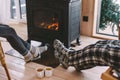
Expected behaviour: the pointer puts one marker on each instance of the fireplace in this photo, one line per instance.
(53, 19)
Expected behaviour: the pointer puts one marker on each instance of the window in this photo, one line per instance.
(13, 9)
(18, 10)
(22, 9)
(107, 13)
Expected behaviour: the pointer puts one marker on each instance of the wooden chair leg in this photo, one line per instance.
(2, 58)
(5, 67)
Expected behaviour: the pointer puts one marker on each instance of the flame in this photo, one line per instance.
(53, 26)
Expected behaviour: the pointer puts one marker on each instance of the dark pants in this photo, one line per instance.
(16, 42)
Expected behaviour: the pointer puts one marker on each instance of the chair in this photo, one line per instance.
(2, 59)
(107, 75)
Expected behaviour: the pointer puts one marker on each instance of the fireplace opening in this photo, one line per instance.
(49, 21)
(53, 19)
(53, 25)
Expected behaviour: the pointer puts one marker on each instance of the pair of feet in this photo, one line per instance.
(35, 53)
(60, 52)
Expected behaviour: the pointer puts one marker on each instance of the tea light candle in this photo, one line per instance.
(48, 71)
(40, 72)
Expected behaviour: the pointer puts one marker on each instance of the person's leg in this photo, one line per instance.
(17, 43)
(80, 59)
(35, 50)
(102, 53)
(11, 36)
(66, 56)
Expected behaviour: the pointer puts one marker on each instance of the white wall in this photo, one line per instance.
(4, 11)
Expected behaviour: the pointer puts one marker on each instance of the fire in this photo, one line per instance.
(53, 26)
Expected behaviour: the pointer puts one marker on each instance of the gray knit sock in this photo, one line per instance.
(38, 50)
(28, 57)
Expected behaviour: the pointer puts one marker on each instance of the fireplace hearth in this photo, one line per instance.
(53, 19)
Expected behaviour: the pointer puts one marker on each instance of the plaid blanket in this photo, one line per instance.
(102, 53)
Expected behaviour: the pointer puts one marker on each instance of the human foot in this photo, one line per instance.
(60, 53)
(58, 45)
(62, 59)
(28, 57)
(37, 51)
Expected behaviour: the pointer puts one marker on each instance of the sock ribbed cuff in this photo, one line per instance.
(28, 56)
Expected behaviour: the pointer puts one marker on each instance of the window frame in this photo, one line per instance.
(97, 10)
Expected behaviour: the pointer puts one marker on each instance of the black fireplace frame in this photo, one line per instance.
(67, 10)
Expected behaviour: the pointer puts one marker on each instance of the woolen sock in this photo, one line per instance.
(59, 46)
(63, 59)
(38, 50)
(28, 57)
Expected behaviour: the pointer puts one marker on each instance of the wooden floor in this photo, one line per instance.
(19, 70)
